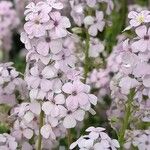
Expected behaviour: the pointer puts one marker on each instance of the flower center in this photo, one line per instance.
(56, 23)
(146, 37)
(74, 93)
(69, 112)
(140, 19)
(9, 70)
(40, 76)
(47, 39)
(63, 57)
(59, 74)
(37, 22)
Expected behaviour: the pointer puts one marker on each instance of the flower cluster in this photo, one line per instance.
(88, 18)
(138, 138)
(135, 66)
(54, 84)
(10, 82)
(130, 86)
(97, 139)
(8, 22)
(7, 142)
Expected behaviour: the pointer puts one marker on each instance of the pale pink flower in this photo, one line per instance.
(37, 26)
(25, 39)
(72, 117)
(78, 95)
(47, 45)
(7, 142)
(40, 78)
(95, 23)
(127, 83)
(143, 43)
(31, 10)
(64, 58)
(137, 18)
(20, 130)
(53, 106)
(96, 47)
(33, 55)
(98, 141)
(59, 25)
(77, 12)
(47, 132)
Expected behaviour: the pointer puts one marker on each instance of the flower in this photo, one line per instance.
(96, 139)
(95, 23)
(46, 132)
(47, 44)
(7, 142)
(96, 47)
(137, 18)
(72, 117)
(78, 95)
(41, 78)
(53, 106)
(144, 39)
(59, 24)
(37, 26)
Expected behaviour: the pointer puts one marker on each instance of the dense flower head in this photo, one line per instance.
(97, 139)
(133, 73)
(54, 81)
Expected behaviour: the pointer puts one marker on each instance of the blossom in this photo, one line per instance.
(78, 95)
(144, 38)
(96, 142)
(72, 117)
(96, 47)
(47, 132)
(64, 58)
(77, 12)
(7, 142)
(59, 25)
(38, 78)
(137, 18)
(52, 107)
(95, 23)
(37, 26)
(138, 138)
(47, 44)
(20, 130)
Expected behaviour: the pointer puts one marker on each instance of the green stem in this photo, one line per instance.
(86, 60)
(40, 136)
(126, 120)
(69, 138)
